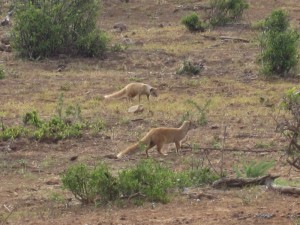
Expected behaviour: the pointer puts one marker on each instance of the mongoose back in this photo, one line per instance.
(134, 89)
(159, 136)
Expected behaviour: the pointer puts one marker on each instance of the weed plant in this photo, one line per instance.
(254, 168)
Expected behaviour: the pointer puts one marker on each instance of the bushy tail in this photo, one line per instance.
(118, 94)
(130, 150)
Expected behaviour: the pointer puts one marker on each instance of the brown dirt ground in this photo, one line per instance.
(30, 171)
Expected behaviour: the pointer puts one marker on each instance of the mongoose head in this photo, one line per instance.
(153, 92)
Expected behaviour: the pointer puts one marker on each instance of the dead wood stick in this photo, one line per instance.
(282, 189)
(234, 39)
(226, 38)
(241, 182)
(234, 149)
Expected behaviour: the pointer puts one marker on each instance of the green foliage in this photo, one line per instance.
(89, 185)
(192, 23)
(225, 11)
(11, 133)
(57, 129)
(147, 180)
(202, 176)
(254, 168)
(189, 68)
(2, 73)
(279, 44)
(32, 118)
(93, 44)
(277, 22)
(48, 28)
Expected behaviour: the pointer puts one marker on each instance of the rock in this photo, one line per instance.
(5, 39)
(136, 109)
(5, 22)
(120, 27)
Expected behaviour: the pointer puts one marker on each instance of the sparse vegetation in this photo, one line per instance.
(279, 44)
(289, 125)
(200, 113)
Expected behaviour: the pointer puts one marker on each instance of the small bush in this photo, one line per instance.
(279, 45)
(88, 185)
(11, 133)
(148, 180)
(225, 11)
(48, 28)
(189, 68)
(254, 168)
(192, 23)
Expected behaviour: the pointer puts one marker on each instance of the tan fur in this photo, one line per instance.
(132, 90)
(159, 137)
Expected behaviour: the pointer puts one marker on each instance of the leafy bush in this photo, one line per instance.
(279, 45)
(47, 28)
(192, 23)
(254, 168)
(147, 180)
(57, 129)
(202, 176)
(225, 11)
(11, 133)
(87, 184)
(32, 118)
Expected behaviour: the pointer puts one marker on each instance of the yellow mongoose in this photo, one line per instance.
(159, 136)
(134, 89)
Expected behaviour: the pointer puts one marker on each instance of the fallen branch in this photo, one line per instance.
(234, 150)
(226, 38)
(234, 39)
(242, 182)
(283, 189)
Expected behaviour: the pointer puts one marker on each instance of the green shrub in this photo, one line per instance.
(57, 129)
(189, 68)
(254, 168)
(192, 23)
(48, 28)
(93, 44)
(225, 11)
(11, 133)
(89, 185)
(148, 180)
(279, 45)
(32, 118)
